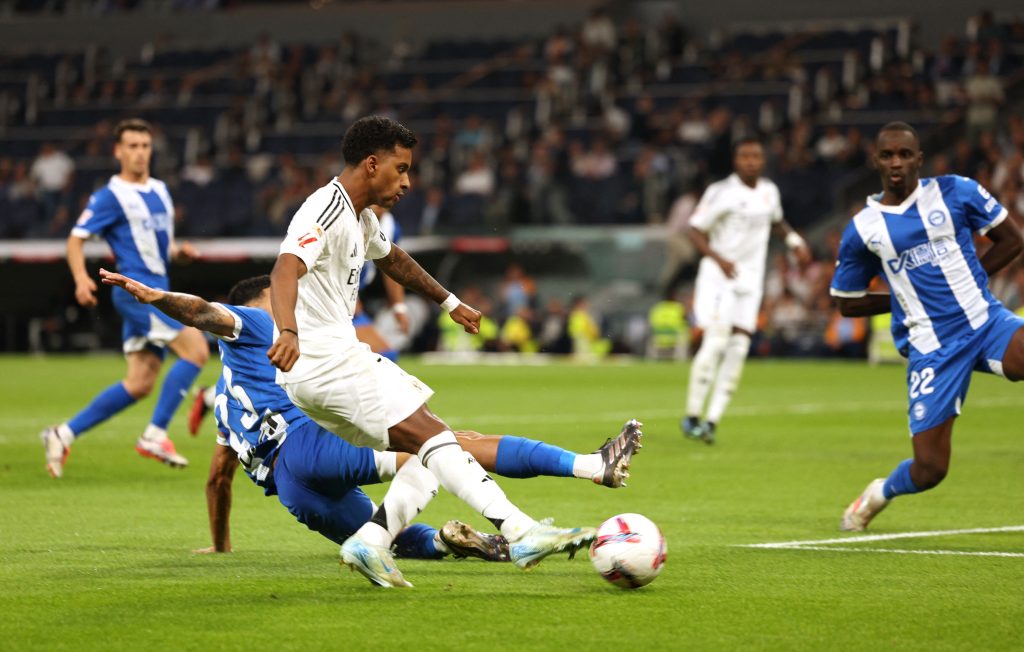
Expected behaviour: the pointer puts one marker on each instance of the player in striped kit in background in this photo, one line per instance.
(135, 215)
(920, 233)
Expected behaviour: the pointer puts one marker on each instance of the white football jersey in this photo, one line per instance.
(333, 242)
(737, 220)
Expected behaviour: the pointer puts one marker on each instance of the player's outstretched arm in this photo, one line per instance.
(401, 267)
(186, 308)
(1007, 244)
(218, 498)
(284, 292)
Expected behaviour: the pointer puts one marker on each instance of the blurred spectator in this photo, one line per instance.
(553, 335)
(670, 334)
(517, 333)
(517, 290)
(984, 97)
(587, 343)
(51, 172)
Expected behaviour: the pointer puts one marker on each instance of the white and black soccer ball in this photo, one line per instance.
(629, 551)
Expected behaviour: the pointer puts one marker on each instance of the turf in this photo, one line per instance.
(101, 559)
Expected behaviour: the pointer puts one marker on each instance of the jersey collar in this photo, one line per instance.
(143, 187)
(902, 207)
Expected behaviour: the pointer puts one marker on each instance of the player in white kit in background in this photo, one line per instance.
(730, 228)
(365, 398)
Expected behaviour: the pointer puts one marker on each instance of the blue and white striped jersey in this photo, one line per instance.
(137, 221)
(925, 248)
(247, 392)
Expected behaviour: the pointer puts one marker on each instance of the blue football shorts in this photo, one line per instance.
(317, 476)
(937, 382)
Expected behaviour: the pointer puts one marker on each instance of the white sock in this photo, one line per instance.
(703, 369)
(410, 491)
(154, 433)
(462, 476)
(440, 545)
(728, 375)
(210, 397)
(65, 435)
(587, 466)
(386, 463)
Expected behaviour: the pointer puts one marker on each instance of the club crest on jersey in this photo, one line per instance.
(936, 218)
(927, 253)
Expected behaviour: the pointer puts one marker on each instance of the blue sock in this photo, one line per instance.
(527, 458)
(106, 404)
(417, 542)
(899, 482)
(174, 390)
(390, 354)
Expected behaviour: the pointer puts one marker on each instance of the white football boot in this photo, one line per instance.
(56, 451)
(375, 563)
(867, 506)
(543, 539)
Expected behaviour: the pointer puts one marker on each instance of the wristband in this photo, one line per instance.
(290, 330)
(400, 308)
(451, 303)
(793, 240)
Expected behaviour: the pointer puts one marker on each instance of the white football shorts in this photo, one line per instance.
(360, 397)
(720, 302)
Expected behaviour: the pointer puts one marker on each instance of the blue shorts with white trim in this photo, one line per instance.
(937, 382)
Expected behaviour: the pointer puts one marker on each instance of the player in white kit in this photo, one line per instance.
(730, 228)
(363, 397)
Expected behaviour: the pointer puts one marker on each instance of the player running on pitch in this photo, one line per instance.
(920, 233)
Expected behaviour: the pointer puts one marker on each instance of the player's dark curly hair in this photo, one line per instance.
(374, 134)
(248, 290)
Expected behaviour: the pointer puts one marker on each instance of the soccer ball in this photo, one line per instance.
(629, 551)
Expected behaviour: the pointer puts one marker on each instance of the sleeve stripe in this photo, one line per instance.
(994, 223)
(331, 207)
(854, 294)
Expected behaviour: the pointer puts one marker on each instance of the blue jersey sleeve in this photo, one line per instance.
(979, 209)
(253, 326)
(855, 267)
(102, 212)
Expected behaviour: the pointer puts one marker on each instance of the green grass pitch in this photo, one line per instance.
(101, 559)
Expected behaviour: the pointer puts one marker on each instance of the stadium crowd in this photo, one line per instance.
(606, 122)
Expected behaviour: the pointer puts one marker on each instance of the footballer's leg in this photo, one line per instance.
(519, 457)
(190, 346)
(143, 367)
(729, 373)
(439, 451)
(713, 305)
(936, 388)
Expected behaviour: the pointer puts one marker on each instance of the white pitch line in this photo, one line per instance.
(909, 552)
(881, 537)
